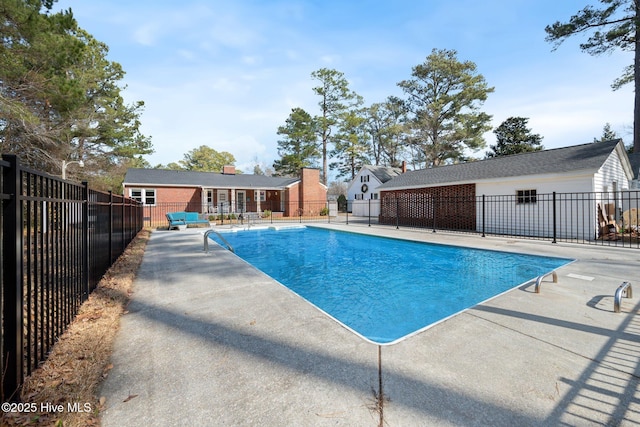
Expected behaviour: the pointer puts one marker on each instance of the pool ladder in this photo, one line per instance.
(539, 280)
(624, 290)
(206, 241)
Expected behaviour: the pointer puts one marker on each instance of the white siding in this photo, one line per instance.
(575, 216)
(542, 183)
(359, 201)
(610, 172)
(366, 208)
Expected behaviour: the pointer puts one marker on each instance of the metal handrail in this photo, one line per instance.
(539, 280)
(206, 241)
(624, 290)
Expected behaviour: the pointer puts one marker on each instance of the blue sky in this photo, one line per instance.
(227, 73)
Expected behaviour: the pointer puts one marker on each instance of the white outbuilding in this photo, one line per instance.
(364, 188)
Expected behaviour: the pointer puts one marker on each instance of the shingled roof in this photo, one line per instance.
(587, 157)
(383, 173)
(175, 178)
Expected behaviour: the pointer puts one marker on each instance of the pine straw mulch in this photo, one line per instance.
(80, 360)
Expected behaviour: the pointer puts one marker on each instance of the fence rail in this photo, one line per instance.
(58, 239)
(606, 218)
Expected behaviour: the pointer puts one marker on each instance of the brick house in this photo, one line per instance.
(213, 193)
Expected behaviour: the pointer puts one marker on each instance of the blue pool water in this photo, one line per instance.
(384, 288)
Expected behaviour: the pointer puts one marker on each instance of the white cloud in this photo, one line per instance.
(147, 34)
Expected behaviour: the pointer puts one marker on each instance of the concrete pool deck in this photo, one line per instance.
(209, 340)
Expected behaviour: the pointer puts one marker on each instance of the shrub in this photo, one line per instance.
(324, 211)
(342, 203)
(266, 213)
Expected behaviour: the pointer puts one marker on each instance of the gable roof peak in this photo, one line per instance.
(382, 173)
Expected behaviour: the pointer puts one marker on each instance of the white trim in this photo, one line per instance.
(624, 160)
(244, 200)
(143, 195)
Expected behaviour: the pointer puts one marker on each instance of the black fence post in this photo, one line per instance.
(484, 216)
(554, 218)
(12, 291)
(397, 213)
(369, 215)
(85, 240)
(124, 223)
(110, 226)
(435, 209)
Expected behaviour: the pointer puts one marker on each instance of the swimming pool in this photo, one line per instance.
(384, 289)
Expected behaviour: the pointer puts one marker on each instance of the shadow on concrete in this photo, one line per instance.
(605, 382)
(362, 377)
(598, 299)
(608, 388)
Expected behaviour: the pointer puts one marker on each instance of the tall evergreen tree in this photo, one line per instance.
(59, 95)
(443, 100)
(350, 146)
(514, 137)
(299, 146)
(335, 99)
(614, 26)
(386, 130)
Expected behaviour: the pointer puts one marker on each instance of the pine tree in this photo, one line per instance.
(514, 137)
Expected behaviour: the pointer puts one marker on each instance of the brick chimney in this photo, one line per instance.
(404, 166)
(229, 170)
(310, 189)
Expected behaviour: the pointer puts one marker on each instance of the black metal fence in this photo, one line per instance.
(229, 213)
(58, 239)
(606, 218)
(596, 218)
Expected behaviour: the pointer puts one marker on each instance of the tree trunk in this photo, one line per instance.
(325, 137)
(636, 72)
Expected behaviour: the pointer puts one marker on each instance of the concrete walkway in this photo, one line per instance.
(209, 340)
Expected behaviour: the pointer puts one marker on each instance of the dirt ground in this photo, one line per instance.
(66, 384)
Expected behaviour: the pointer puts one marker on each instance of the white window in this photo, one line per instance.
(526, 196)
(146, 196)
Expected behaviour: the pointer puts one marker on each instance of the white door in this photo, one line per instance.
(240, 200)
(208, 201)
(222, 201)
